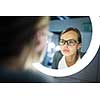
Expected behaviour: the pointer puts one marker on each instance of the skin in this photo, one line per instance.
(70, 52)
(37, 50)
(38, 45)
(31, 52)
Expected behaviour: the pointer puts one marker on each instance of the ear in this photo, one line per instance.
(79, 46)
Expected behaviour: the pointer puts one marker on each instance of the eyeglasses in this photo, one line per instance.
(70, 42)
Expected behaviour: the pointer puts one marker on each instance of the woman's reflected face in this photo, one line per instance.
(69, 43)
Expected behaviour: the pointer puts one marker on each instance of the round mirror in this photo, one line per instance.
(72, 44)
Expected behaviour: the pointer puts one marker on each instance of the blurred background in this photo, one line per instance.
(59, 24)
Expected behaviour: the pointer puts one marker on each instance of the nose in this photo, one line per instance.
(66, 45)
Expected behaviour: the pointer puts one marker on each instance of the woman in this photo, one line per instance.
(70, 45)
(21, 43)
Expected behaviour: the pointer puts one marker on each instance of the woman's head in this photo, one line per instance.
(16, 33)
(70, 41)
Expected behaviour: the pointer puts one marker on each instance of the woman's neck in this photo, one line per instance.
(71, 60)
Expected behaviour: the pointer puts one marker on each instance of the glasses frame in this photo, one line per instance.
(66, 42)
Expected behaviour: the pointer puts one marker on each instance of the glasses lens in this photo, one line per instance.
(71, 42)
(62, 42)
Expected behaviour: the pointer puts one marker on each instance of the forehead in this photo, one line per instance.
(69, 35)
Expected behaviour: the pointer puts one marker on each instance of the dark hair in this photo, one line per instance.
(75, 30)
(15, 33)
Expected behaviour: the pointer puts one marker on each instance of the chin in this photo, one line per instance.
(66, 54)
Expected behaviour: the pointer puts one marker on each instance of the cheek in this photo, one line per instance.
(61, 48)
(41, 42)
(73, 50)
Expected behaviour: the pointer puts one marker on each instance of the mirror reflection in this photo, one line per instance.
(68, 40)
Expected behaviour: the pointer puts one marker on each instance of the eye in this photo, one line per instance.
(61, 41)
(71, 42)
